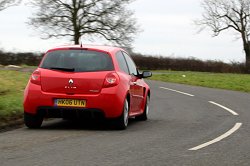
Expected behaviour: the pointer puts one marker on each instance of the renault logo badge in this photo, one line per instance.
(71, 82)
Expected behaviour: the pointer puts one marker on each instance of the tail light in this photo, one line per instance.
(36, 77)
(112, 79)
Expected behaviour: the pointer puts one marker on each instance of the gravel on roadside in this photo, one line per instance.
(11, 122)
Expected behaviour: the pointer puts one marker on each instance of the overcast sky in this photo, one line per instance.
(168, 30)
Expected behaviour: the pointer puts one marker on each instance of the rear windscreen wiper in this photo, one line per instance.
(63, 69)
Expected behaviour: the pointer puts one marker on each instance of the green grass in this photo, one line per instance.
(12, 84)
(237, 82)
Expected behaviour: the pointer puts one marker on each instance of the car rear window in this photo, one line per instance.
(77, 61)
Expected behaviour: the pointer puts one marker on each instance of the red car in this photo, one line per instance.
(86, 81)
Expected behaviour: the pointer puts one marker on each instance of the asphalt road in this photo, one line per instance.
(181, 118)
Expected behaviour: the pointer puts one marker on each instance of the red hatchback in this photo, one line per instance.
(89, 81)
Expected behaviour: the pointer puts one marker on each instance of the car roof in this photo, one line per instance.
(108, 49)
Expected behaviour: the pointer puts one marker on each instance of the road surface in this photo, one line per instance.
(188, 126)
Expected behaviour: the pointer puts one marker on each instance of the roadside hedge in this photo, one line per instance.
(142, 61)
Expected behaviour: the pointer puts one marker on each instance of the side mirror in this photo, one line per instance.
(146, 74)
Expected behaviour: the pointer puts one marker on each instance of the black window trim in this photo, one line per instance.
(120, 51)
(123, 52)
(125, 61)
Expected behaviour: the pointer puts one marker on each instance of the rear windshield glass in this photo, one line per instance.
(77, 61)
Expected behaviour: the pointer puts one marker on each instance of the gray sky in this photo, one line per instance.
(168, 30)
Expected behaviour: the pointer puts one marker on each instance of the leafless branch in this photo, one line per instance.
(8, 3)
(109, 19)
(223, 15)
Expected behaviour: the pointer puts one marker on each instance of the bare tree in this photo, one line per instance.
(7, 3)
(222, 15)
(108, 19)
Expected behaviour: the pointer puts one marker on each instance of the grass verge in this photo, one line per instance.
(12, 85)
(236, 82)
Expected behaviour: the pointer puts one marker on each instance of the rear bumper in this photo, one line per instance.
(68, 113)
(108, 102)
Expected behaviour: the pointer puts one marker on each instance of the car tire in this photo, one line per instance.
(144, 116)
(122, 121)
(33, 121)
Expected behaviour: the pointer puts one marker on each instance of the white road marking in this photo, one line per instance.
(225, 108)
(177, 91)
(231, 131)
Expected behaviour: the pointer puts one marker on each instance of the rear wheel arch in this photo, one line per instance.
(128, 98)
(148, 93)
(144, 115)
(122, 121)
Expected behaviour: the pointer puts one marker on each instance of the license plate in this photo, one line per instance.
(70, 103)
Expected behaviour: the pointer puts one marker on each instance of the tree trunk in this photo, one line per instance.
(74, 11)
(247, 53)
(248, 64)
(76, 38)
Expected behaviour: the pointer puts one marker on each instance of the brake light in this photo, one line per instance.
(36, 77)
(112, 79)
